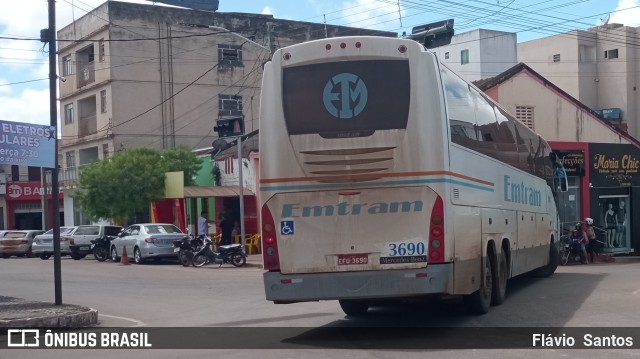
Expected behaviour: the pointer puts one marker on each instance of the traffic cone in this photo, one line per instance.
(124, 259)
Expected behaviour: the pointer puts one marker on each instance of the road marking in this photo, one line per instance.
(138, 322)
(637, 292)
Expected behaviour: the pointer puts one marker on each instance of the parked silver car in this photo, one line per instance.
(147, 240)
(43, 243)
(80, 241)
(18, 243)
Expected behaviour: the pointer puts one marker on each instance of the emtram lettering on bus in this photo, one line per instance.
(346, 209)
(521, 193)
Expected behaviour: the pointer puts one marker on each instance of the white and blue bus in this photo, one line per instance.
(384, 175)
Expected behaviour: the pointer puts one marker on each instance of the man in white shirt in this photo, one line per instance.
(203, 225)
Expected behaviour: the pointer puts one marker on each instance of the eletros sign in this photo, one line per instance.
(27, 144)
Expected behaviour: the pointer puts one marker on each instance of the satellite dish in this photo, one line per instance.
(218, 145)
(605, 21)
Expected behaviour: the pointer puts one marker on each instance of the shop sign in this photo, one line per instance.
(614, 165)
(27, 191)
(26, 144)
(573, 161)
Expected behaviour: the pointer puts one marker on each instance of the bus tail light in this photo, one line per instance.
(269, 241)
(436, 233)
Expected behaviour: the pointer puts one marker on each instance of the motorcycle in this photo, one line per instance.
(101, 247)
(571, 252)
(186, 247)
(231, 253)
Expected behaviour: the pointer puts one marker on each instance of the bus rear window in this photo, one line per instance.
(346, 99)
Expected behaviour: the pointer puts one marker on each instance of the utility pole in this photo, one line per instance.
(45, 201)
(241, 194)
(55, 187)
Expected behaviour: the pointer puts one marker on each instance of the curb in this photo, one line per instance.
(27, 314)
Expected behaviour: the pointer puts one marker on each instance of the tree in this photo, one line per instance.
(128, 182)
(182, 159)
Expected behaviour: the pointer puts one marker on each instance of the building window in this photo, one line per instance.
(556, 58)
(525, 115)
(464, 57)
(101, 50)
(105, 151)
(15, 173)
(68, 113)
(67, 69)
(70, 159)
(446, 55)
(103, 101)
(230, 55)
(611, 54)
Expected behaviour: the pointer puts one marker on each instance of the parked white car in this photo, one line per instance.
(147, 240)
(43, 243)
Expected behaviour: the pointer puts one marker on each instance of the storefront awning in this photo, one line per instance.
(215, 191)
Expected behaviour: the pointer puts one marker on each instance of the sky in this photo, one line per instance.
(24, 92)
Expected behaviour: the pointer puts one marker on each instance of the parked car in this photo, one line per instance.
(80, 240)
(18, 243)
(147, 240)
(43, 243)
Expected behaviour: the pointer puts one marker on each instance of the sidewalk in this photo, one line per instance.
(20, 313)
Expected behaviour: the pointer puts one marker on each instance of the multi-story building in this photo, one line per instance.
(480, 53)
(599, 67)
(136, 75)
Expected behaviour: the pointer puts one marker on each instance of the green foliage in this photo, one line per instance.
(129, 181)
(182, 159)
(215, 171)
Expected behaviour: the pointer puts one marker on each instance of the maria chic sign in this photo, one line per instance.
(614, 165)
(27, 144)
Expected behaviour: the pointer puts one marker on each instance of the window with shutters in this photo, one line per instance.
(525, 115)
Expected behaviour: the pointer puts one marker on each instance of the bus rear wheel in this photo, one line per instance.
(500, 278)
(480, 300)
(354, 308)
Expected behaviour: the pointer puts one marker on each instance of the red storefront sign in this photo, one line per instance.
(26, 191)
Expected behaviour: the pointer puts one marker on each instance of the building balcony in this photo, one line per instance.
(86, 75)
(87, 125)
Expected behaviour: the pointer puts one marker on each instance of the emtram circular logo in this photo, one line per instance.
(345, 95)
(15, 191)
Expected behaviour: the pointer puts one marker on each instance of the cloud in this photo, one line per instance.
(630, 17)
(267, 11)
(31, 106)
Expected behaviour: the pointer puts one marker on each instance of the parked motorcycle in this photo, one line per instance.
(231, 253)
(100, 247)
(186, 247)
(571, 252)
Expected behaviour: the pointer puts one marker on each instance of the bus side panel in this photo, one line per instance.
(524, 259)
(468, 248)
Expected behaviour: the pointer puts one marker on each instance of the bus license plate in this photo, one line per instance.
(348, 259)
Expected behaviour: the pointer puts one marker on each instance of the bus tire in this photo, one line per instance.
(480, 301)
(500, 278)
(354, 308)
(549, 269)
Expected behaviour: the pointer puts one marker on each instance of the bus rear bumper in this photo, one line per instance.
(380, 284)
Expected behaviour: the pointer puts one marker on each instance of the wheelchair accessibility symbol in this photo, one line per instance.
(286, 227)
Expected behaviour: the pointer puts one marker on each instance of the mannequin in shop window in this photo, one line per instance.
(610, 224)
(621, 220)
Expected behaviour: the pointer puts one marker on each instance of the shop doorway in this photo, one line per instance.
(614, 218)
(569, 205)
(28, 221)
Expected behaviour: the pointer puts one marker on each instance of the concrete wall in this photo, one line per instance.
(490, 53)
(599, 83)
(556, 118)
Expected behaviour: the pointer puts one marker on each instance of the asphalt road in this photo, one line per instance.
(168, 295)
